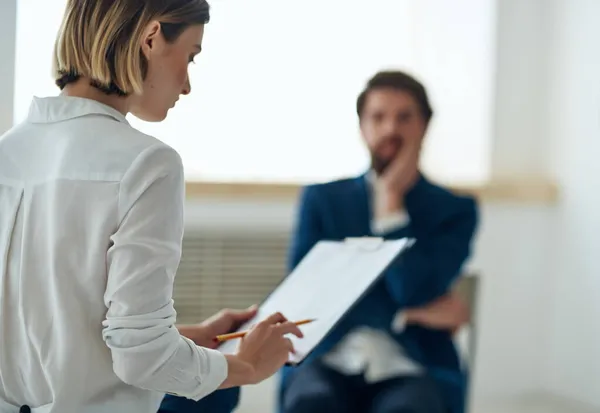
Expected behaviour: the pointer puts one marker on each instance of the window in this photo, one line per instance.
(274, 91)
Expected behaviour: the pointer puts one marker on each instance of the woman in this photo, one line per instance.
(91, 223)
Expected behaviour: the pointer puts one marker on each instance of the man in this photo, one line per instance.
(393, 352)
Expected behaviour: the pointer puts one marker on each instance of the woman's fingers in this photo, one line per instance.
(289, 328)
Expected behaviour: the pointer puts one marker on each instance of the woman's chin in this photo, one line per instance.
(152, 116)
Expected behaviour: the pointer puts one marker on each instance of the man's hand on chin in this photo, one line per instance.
(223, 322)
(402, 174)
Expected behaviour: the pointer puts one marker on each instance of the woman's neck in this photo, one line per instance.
(83, 89)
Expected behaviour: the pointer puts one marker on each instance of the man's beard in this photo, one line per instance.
(380, 163)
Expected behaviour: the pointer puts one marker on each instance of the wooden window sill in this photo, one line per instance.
(521, 191)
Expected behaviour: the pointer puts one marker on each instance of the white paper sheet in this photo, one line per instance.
(324, 286)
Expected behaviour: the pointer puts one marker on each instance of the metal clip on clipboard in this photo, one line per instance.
(372, 243)
(365, 243)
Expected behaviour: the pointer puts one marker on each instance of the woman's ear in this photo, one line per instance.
(150, 38)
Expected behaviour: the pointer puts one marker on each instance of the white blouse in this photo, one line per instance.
(91, 223)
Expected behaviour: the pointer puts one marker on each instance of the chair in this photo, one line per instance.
(467, 288)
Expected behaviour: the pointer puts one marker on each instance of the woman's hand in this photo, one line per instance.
(225, 321)
(262, 352)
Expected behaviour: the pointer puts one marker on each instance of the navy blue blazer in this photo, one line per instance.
(443, 225)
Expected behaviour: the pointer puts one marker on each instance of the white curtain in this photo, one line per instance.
(274, 90)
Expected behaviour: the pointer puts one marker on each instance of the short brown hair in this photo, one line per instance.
(100, 39)
(400, 81)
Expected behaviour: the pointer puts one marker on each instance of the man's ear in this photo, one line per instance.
(149, 38)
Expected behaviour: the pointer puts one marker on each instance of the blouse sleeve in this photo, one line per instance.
(147, 350)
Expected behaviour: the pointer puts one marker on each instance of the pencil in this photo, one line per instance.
(231, 336)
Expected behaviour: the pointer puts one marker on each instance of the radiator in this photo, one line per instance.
(227, 269)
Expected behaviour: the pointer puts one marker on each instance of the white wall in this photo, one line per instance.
(523, 42)
(548, 124)
(8, 17)
(574, 124)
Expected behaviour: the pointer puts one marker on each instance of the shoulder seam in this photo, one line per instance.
(156, 144)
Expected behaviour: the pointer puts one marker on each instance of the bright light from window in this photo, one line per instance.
(274, 91)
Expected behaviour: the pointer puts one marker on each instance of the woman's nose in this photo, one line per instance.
(187, 87)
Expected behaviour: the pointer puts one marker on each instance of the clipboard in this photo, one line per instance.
(326, 285)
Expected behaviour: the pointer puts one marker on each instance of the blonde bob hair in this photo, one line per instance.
(101, 39)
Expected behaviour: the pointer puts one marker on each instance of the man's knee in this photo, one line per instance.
(310, 400)
(413, 395)
(314, 389)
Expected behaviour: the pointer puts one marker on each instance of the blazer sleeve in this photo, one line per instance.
(430, 267)
(307, 229)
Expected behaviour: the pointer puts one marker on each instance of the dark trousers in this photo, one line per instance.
(221, 401)
(315, 388)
